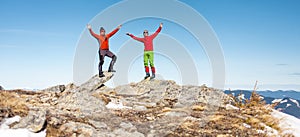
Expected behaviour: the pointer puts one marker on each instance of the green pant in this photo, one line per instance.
(149, 56)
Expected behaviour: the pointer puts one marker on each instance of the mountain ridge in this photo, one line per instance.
(287, 105)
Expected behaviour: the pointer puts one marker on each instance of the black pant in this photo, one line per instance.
(102, 54)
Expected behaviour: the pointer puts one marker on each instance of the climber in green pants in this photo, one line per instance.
(148, 50)
(149, 57)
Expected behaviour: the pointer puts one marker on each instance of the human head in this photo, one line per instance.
(102, 31)
(146, 33)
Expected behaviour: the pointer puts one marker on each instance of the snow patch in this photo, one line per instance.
(287, 105)
(228, 107)
(261, 97)
(284, 101)
(268, 130)
(295, 101)
(8, 121)
(119, 105)
(288, 123)
(241, 97)
(232, 94)
(5, 131)
(276, 100)
(246, 125)
(260, 131)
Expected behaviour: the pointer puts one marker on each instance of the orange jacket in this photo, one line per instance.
(103, 40)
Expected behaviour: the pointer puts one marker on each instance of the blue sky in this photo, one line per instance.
(260, 41)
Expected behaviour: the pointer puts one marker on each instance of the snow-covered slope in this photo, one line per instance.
(288, 123)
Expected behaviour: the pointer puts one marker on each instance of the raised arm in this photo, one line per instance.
(136, 38)
(157, 31)
(91, 31)
(114, 31)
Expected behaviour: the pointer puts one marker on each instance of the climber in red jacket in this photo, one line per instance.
(104, 48)
(148, 50)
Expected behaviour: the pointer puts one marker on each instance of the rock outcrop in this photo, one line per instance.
(1, 88)
(58, 88)
(145, 109)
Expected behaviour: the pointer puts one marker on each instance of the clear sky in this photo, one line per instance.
(260, 41)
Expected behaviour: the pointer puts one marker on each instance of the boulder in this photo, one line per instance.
(58, 88)
(35, 121)
(95, 82)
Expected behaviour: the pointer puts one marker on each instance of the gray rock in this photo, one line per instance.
(58, 88)
(128, 126)
(126, 90)
(1, 88)
(190, 95)
(81, 129)
(177, 114)
(95, 82)
(123, 133)
(71, 87)
(55, 120)
(99, 124)
(34, 121)
(139, 108)
(158, 108)
(83, 102)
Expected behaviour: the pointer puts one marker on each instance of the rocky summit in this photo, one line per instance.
(149, 108)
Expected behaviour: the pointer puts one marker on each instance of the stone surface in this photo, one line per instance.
(58, 88)
(71, 87)
(149, 108)
(95, 82)
(34, 121)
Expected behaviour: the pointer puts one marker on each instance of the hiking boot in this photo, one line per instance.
(153, 76)
(111, 70)
(147, 76)
(101, 75)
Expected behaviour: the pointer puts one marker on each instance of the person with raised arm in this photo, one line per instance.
(148, 50)
(103, 40)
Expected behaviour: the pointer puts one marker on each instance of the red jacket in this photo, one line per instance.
(103, 40)
(147, 40)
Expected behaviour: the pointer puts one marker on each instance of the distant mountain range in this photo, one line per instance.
(288, 101)
(281, 94)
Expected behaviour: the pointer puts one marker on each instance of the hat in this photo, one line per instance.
(102, 29)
